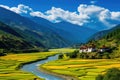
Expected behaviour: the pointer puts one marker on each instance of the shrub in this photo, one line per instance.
(60, 56)
(2, 53)
(99, 77)
(111, 74)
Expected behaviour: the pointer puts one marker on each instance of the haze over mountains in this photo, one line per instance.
(70, 32)
(40, 32)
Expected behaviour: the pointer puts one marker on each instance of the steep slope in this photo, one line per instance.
(75, 33)
(108, 46)
(11, 40)
(113, 33)
(111, 38)
(101, 34)
(38, 33)
(70, 32)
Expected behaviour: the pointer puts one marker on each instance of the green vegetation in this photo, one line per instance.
(112, 40)
(83, 69)
(110, 43)
(13, 40)
(31, 31)
(111, 74)
(2, 53)
(90, 68)
(10, 40)
(90, 55)
(10, 63)
(63, 50)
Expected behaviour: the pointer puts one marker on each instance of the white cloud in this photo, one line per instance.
(73, 17)
(37, 13)
(84, 14)
(89, 9)
(115, 15)
(102, 14)
(19, 9)
(4, 6)
(57, 14)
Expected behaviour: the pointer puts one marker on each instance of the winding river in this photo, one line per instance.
(33, 68)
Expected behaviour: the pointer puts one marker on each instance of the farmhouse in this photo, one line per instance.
(92, 48)
(103, 49)
(88, 49)
(83, 49)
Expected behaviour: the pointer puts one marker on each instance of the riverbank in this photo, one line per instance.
(83, 69)
(65, 77)
(11, 64)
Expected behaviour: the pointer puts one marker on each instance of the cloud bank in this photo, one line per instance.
(20, 9)
(84, 14)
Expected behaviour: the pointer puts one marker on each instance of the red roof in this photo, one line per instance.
(103, 47)
(83, 47)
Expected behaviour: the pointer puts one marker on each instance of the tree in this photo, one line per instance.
(2, 52)
(111, 74)
(99, 77)
(60, 56)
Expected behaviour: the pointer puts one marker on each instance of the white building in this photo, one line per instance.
(87, 49)
(91, 49)
(103, 49)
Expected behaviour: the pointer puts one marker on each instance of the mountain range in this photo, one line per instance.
(99, 35)
(39, 32)
(70, 32)
(33, 32)
(10, 39)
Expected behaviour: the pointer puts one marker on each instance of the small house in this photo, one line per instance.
(83, 49)
(91, 48)
(88, 49)
(103, 49)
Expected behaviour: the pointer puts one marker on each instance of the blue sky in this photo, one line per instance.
(71, 5)
(80, 12)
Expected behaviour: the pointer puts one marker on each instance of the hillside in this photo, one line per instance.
(34, 32)
(106, 47)
(78, 34)
(107, 36)
(11, 40)
(70, 32)
(101, 34)
(110, 39)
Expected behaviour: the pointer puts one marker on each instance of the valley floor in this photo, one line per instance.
(82, 69)
(9, 65)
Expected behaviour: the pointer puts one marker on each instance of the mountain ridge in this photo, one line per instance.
(42, 35)
(64, 29)
(11, 40)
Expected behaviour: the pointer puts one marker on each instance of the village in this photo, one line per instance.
(93, 48)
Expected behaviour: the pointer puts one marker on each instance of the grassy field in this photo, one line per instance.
(83, 69)
(62, 50)
(9, 63)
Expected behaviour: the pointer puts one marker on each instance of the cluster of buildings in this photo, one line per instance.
(92, 48)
